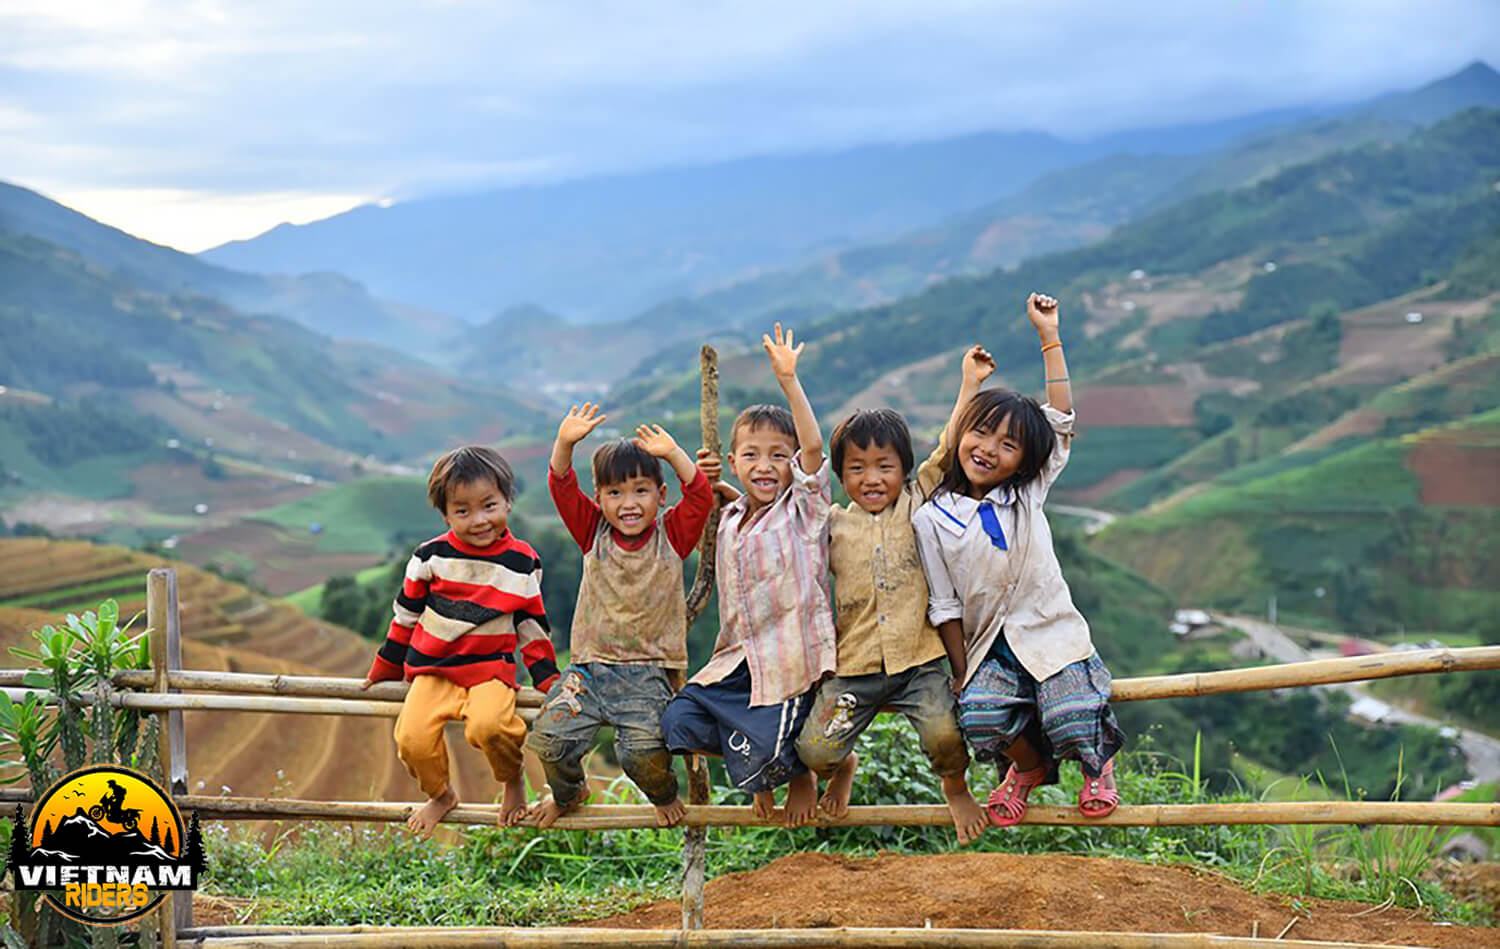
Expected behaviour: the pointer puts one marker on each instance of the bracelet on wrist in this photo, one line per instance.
(1055, 344)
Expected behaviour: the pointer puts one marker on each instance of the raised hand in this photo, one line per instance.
(577, 424)
(978, 364)
(711, 465)
(656, 440)
(782, 353)
(1042, 311)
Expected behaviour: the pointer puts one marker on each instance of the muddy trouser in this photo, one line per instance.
(626, 696)
(846, 705)
(488, 711)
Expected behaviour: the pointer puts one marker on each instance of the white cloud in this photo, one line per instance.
(192, 221)
(363, 97)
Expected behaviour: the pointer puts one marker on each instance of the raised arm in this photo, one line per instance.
(1042, 311)
(783, 357)
(574, 428)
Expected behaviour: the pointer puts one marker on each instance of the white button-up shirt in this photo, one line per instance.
(1018, 592)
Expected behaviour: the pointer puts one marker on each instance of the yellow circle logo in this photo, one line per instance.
(103, 844)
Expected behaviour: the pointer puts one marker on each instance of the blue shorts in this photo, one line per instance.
(759, 744)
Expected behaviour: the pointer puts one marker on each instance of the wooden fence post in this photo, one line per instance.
(164, 620)
(695, 839)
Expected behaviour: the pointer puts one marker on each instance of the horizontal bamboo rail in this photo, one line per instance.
(1313, 672)
(1184, 685)
(632, 816)
(373, 937)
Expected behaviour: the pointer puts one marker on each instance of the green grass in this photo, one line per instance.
(361, 516)
(126, 583)
(1100, 452)
(309, 599)
(333, 875)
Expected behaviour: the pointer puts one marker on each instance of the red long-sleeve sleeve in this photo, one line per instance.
(685, 520)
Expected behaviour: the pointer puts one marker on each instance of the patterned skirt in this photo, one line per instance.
(1066, 715)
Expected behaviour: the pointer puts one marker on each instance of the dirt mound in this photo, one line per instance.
(1454, 473)
(1011, 891)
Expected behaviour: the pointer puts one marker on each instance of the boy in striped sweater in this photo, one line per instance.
(470, 598)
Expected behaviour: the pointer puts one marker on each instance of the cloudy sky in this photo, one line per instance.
(192, 122)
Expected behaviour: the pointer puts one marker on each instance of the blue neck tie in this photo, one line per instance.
(989, 519)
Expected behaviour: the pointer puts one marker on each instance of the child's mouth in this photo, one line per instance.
(631, 518)
(980, 463)
(874, 496)
(765, 484)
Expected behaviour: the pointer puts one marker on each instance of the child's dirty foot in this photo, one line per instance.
(969, 819)
(764, 804)
(424, 820)
(1099, 797)
(835, 799)
(544, 813)
(801, 799)
(513, 804)
(671, 813)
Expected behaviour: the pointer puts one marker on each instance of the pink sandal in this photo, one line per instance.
(1007, 803)
(1094, 792)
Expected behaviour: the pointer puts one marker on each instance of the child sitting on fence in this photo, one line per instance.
(630, 625)
(776, 637)
(889, 656)
(469, 598)
(1032, 688)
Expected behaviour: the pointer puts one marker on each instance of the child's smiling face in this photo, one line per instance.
(631, 506)
(762, 461)
(477, 512)
(872, 476)
(989, 456)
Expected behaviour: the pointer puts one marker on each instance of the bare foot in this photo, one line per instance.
(513, 803)
(801, 799)
(969, 819)
(544, 813)
(671, 813)
(424, 820)
(835, 799)
(764, 804)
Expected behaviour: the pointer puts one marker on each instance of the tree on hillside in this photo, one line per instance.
(155, 837)
(166, 843)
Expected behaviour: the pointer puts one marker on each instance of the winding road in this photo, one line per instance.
(1480, 750)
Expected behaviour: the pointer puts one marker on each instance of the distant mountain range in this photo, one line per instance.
(611, 247)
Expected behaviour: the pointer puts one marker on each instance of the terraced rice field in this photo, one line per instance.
(228, 627)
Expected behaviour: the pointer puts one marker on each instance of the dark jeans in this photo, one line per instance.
(629, 697)
(846, 706)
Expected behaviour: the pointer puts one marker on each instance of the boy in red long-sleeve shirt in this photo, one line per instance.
(630, 628)
(470, 598)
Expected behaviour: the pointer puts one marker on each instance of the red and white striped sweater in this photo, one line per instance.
(463, 611)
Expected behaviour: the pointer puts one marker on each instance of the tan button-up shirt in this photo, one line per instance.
(880, 591)
(1018, 592)
(774, 611)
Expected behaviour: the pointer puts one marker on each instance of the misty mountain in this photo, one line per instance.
(327, 302)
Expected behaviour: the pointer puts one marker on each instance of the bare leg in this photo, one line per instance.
(835, 800)
(764, 804)
(512, 802)
(969, 819)
(801, 799)
(1023, 755)
(671, 813)
(546, 811)
(424, 820)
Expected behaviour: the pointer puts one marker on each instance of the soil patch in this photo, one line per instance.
(1457, 474)
(1012, 891)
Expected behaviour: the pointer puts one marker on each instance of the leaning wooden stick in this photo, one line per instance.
(695, 838)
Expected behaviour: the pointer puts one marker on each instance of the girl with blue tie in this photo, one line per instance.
(1031, 689)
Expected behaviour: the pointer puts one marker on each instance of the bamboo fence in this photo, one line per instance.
(167, 690)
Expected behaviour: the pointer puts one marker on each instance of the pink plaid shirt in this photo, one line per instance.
(775, 611)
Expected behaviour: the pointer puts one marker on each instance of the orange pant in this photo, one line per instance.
(491, 724)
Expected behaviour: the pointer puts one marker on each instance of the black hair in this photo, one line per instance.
(883, 427)
(777, 417)
(1024, 421)
(622, 459)
(467, 465)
